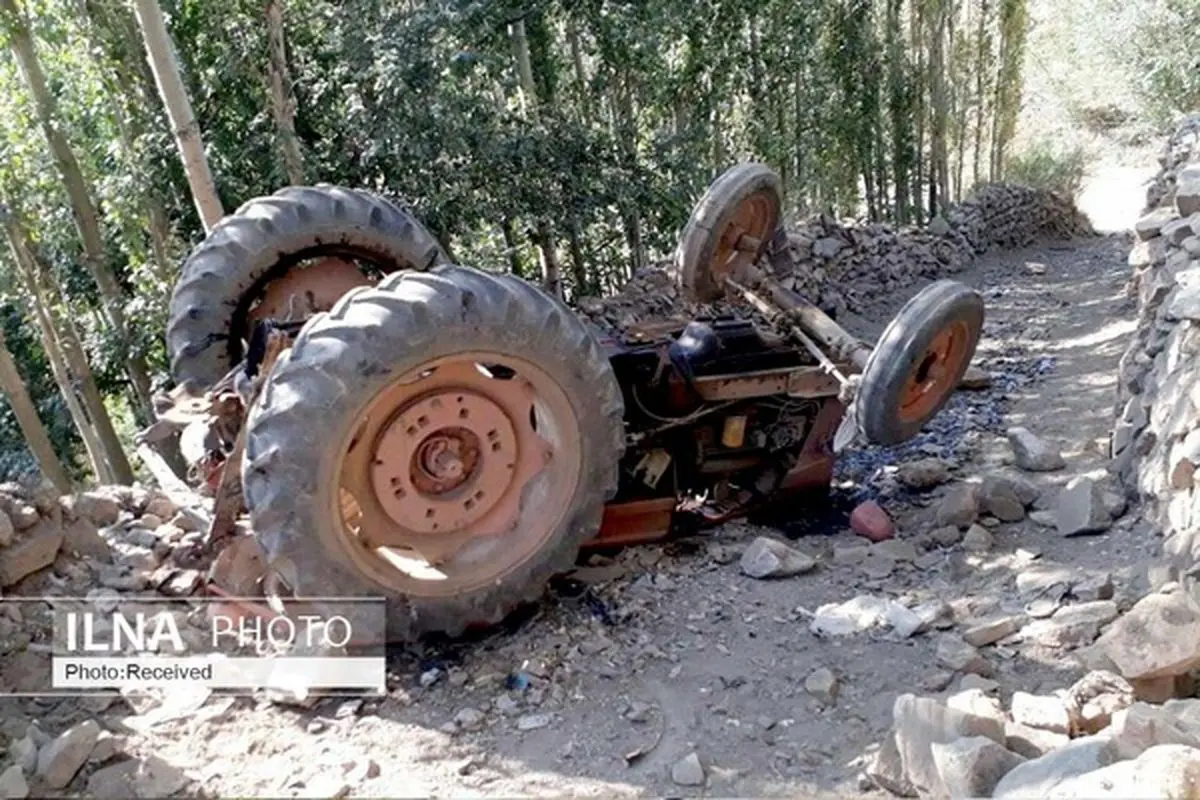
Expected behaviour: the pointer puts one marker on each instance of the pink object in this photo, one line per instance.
(872, 522)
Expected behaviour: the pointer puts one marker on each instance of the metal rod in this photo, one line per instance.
(773, 313)
(812, 320)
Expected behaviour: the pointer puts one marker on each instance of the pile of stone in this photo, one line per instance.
(1119, 731)
(1156, 438)
(842, 265)
(119, 537)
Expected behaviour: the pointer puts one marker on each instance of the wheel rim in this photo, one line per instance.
(935, 373)
(456, 473)
(307, 288)
(744, 234)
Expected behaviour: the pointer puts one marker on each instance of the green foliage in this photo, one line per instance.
(1163, 48)
(636, 107)
(1046, 167)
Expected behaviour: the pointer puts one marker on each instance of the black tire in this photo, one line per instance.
(260, 241)
(698, 245)
(901, 352)
(341, 360)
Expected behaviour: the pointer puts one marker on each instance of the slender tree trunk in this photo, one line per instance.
(581, 80)
(940, 186)
(544, 235)
(511, 247)
(87, 218)
(982, 47)
(917, 33)
(179, 110)
(579, 271)
(63, 337)
(520, 46)
(551, 271)
(32, 429)
(62, 375)
(283, 102)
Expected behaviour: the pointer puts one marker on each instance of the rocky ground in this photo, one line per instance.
(935, 661)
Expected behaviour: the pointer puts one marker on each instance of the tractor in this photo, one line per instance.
(449, 438)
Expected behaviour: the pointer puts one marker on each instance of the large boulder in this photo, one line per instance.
(921, 722)
(1158, 637)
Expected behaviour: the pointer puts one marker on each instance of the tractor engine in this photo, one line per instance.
(721, 414)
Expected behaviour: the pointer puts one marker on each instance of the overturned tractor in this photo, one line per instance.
(450, 438)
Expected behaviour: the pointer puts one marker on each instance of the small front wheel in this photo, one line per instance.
(919, 361)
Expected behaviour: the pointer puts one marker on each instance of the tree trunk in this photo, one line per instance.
(283, 102)
(87, 218)
(551, 271)
(520, 46)
(32, 429)
(62, 336)
(940, 185)
(179, 110)
(579, 271)
(511, 247)
(982, 49)
(581, 81)
(62, 376)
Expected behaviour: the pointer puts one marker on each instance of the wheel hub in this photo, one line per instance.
(444, 461)
(933, 375)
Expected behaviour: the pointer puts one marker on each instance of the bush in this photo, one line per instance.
(1044, 167)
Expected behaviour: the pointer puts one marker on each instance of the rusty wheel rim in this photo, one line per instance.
(456, 473)
(744, 234)
(307, 288)
(935, 373)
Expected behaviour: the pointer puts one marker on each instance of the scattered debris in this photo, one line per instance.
(872, 522)
(688, 771)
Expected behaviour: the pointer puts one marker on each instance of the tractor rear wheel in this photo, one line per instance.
(919, 361)
(284, 256)
(446, 439)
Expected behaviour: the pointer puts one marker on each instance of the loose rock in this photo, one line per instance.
(770, 558)
(954, 653)
(1165, 771)
(688, 771)
(59, 760)
(869, 520)
(999, 498)
(960, 506)
(823, 685)
(34, 550)
(1032, 453)
(12, 783)
(921, 722)
(971, 767)
(1081, 508)
(924, 473)
(1040, 777)
(1072, 626)
(1159, 636)
(992, 631)
(1093, 699)
(1032, 742)
(1042, 712)
(977, 539)
(1143, 726)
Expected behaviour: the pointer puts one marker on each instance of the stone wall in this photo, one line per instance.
(842, 266)
(1156, 438)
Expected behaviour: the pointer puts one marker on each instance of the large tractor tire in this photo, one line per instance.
(737, 216)
(919, 362)
(446, 439)
(286, 256)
